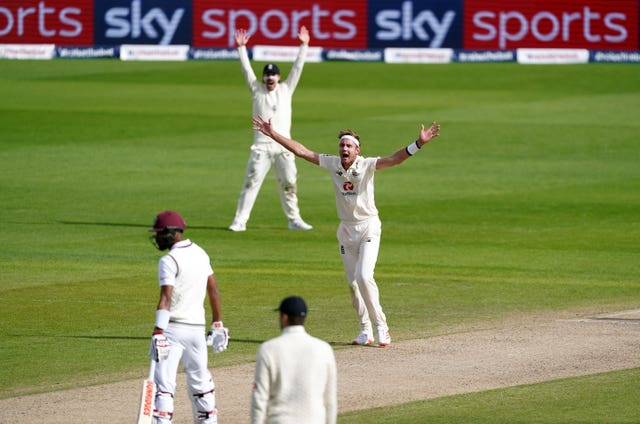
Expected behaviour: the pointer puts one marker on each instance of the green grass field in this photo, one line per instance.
(527, 202)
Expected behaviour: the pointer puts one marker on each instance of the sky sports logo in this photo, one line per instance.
(160, 22)
(357, 24)
(578, 24)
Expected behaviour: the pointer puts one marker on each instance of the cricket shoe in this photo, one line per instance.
(237, 227)
(363, 339)
(299, 224)
(384, 339)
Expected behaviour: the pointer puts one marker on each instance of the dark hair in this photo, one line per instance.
(295, 320)
(348, 132)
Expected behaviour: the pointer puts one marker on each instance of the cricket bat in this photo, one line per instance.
(145, 413)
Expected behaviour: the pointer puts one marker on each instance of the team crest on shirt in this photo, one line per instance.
(347, 189)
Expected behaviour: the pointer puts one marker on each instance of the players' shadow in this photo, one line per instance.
(147, 226)
(374, 346)
(61, 336)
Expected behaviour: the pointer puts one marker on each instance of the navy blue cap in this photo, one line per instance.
(293, 306)
(271, 69)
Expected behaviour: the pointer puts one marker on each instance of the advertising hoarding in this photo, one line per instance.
(62, 22)
(474, 25)
(415, 23)
(585, 24)
(332, 24)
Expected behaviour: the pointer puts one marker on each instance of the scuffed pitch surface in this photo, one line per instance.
(532, 350)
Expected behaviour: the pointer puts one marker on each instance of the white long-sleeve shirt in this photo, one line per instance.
(275, 104)
(295, 380)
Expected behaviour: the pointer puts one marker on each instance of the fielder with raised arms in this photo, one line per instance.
(360, 228)
(271, 98)
(185, 277)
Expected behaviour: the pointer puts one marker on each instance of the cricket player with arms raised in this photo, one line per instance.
(360, 227)
(185, 277)
(272, 98)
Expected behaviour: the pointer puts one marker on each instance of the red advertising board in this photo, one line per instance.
(588, 24)
(332, 23)
(336, 24)
(64, 22)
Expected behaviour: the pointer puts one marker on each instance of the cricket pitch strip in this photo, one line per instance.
(532, 349)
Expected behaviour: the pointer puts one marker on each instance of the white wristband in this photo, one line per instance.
(162, 318)
(412, 148)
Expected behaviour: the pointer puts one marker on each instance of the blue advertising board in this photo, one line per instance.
(160, 22)
(415, 23)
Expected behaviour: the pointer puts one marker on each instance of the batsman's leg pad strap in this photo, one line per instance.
(199, 395)
(205, 415)
(205, 406)
(164, 407)
(162, 416)
(164, 394)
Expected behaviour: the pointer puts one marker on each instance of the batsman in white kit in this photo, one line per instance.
(186, 277)
(360, 228)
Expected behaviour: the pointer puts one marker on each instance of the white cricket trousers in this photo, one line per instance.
(263, 156)
(359, 246)
(188, 344)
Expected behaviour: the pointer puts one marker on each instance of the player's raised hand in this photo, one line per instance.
(241, 37)
(428, 134)
(259, 124)
(303, 35)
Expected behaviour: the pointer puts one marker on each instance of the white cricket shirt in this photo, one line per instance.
(353, 187)
(276, 104)
(186, 267)
(295, 380)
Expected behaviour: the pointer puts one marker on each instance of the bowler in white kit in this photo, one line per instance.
(360, 228)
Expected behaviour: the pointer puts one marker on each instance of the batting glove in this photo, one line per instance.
(218, 337)
(159, 347)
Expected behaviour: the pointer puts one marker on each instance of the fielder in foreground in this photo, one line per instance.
(360, 228)
(185, 277)
(295, 376)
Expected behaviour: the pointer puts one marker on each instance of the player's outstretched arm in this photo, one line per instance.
(425, 136)
(295, 147)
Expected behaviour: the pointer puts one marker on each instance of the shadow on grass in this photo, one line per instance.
(232, 340)
(124, 224)
(369, 346)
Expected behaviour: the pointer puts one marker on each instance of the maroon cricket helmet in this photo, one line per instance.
(168, 220)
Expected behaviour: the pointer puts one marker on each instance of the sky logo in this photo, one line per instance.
(415, 23)
(160, 22)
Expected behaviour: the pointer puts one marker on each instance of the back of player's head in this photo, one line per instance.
(168, 220)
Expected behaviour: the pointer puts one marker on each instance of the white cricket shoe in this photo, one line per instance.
(384, 339)
(299, 224)
(363, 339)
(237, 227)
